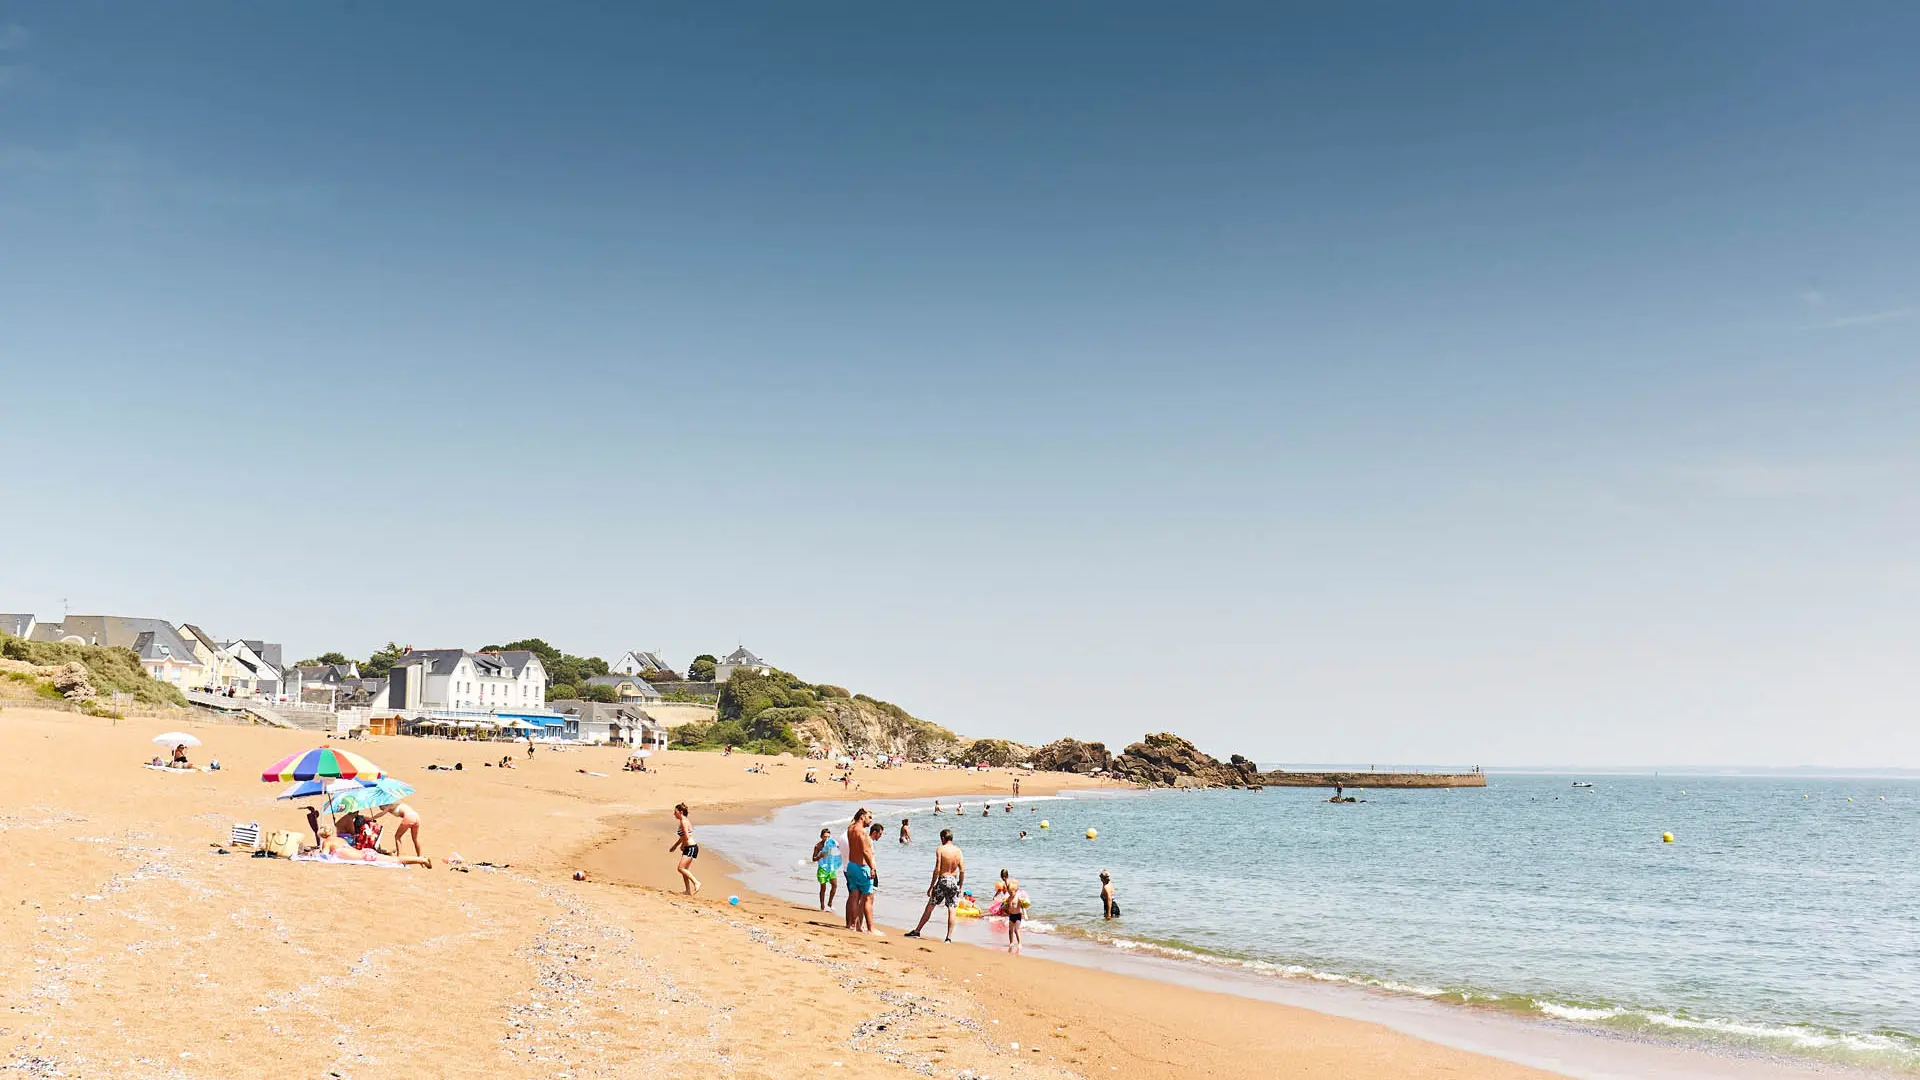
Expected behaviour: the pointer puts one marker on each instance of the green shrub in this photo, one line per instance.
(110, 669)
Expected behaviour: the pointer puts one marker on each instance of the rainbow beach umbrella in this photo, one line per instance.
(322, 763)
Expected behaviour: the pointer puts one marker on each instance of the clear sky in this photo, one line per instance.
(1403, 383)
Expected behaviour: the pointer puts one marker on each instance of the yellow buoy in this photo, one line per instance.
(1666, 838)
(1849, 798)
(1044, 825)
(1091, 833)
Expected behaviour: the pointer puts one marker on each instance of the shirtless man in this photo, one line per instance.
(949, 878)
(689, 851)
(862, 875)
(906, 834)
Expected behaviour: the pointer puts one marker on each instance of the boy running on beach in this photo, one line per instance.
(826, 868)
(689, 851)
(862, 875)
(949, 879)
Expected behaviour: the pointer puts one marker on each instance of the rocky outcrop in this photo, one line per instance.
(860, 727)
(73, 681)
(998, 753)
(1072, 755)
(1167, 760)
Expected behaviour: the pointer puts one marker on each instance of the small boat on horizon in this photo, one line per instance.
(1583, 783)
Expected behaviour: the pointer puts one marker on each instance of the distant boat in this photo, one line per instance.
(1582, 783)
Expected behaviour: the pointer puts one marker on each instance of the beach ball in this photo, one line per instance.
(1044, 825)
(1091, 833)
(1666, 838)
(734, 900)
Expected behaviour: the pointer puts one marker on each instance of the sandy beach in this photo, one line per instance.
(141, 951)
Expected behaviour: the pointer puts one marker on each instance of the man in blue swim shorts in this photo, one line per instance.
(862, 875)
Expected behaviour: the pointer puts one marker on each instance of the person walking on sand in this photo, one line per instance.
(826, 868)
(529, 748)
(689, 851)
(906, 834)
(1011, 886)
(409, 825)
(862, 875)
(1109, 902)
(949, 879)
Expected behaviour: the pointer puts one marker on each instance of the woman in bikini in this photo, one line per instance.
(409, 825)
(332, 846)
(689, 851)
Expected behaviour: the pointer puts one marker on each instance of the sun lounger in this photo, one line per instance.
(245, 835)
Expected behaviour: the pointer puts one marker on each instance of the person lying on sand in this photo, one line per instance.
(332, 846)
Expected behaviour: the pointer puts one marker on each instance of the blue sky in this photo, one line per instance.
(1502, 385)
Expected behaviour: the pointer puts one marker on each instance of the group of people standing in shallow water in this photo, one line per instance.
(946, 887)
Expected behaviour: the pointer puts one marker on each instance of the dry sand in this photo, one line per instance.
(138, 951)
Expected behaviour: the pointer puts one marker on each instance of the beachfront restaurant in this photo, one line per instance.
(481, 726)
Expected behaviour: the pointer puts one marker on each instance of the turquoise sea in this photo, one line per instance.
(1782, 922)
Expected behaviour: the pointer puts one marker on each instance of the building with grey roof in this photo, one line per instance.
(628, 687)
(741, 657)
(455, 680)
(162, 651)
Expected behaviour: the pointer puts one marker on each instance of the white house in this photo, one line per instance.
(455, 680)
(741, 657)
(247, 670)
(638, 662)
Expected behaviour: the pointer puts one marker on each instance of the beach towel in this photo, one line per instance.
(337, 861)
(175, 772)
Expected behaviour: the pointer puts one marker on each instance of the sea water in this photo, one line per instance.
(1784, 919)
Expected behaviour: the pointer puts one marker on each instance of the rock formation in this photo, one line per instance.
(72, 680)
(1072, 755)
(1167, 760)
